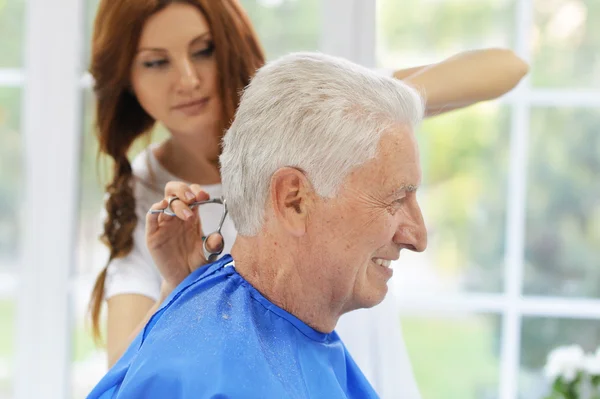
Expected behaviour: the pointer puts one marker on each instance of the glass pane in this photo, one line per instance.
(10, 177)
(539, 336)
(91, 6)
(12, 22)
(285, 25)
(94, 174)
(454, 357)
(89, 362)
(464, 155)
(562, 248)
(413, 33)
(282, 25)
(7, 335)
(566, 41)
(10, 213)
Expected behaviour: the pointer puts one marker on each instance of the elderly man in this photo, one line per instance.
(320, 170)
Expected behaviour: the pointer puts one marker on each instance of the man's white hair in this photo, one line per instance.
(318, 113)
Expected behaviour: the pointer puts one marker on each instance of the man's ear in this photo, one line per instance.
(291, 196)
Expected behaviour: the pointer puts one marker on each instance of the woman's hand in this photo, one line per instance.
(175, 242)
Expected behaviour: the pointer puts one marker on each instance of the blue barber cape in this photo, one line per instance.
(218, 337)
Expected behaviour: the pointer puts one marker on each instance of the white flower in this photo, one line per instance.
(565, 362)
(592, 364)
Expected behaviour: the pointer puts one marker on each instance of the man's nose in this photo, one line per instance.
(411, 232)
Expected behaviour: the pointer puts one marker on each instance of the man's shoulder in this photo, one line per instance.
(195, 298)
(210, 307)
(200, 354)
(194, 343)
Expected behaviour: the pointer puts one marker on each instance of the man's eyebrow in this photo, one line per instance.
(404, 188)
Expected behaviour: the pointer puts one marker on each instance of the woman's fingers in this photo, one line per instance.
(199, 193)
(186, 195)
(152, 219)
(175, 188)
(214, 242)
(181, 209)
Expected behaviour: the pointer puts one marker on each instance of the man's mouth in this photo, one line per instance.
(383, 262)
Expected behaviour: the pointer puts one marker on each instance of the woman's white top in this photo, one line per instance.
(136, 272)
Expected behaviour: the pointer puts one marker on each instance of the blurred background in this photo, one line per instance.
(511, 190)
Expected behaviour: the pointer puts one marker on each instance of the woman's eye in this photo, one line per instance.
(205, 52)
(155, 63)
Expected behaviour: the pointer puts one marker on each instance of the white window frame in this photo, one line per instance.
(52, 134)
(52, 107)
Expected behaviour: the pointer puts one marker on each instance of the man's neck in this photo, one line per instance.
(275, 272)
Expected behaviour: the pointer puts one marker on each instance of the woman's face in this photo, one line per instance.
(174, 72)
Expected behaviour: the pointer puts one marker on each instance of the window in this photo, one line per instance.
(11, 188)
(11, 34)
(562, 251)
(542, 334)
(510, 189)
(474, 351)
(565, 40)
(285, 25)
(11, 178)
(510, 198)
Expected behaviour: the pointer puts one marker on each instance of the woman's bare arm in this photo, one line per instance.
(127, 315)
(466, 78)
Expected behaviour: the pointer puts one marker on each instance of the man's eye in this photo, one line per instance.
(396, 205)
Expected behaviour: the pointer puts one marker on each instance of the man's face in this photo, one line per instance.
(375, 215)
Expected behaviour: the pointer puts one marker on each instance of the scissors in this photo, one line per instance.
(210, 256)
